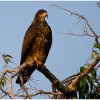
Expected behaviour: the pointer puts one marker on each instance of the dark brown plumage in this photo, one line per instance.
(36, 44)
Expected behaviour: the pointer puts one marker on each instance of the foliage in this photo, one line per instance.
(6, 58)
(3, 79)
(88, 87)
(2, 82)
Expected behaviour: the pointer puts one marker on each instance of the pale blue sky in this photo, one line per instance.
(67, 53)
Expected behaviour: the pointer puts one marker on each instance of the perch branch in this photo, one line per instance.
(54, 81)
(59, 85)
(44, 71)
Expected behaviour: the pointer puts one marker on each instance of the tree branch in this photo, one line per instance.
(5, 93)
(54, 81)
(41, 92)
(10, 87)
(65, 90)
(43, 70)
(72, 86)
(81, 18)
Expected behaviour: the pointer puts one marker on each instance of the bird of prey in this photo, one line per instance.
(36, 44)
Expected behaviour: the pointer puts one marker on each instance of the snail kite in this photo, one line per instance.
(36, 44)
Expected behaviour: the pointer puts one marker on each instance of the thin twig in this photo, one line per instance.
(41, 92)
(23, 87)
(75, 34)
(5, 93)
(82, 18)
(69, 78)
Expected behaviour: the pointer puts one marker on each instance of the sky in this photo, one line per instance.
(67, 54)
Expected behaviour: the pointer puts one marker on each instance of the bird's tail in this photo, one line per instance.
(25, 75)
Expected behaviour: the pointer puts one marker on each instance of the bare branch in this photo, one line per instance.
(81, 18)
(69, 78)
(41, 92)
(23, 87)
(76, 34)
(10, 87)
(5, 93)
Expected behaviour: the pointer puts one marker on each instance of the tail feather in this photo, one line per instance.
(25, 75)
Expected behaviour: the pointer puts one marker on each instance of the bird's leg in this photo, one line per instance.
(38, 63)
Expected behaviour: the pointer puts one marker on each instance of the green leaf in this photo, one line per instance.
(79, 85)
(86, 89)
(2, 81)
(90, 80)
(2, 84)
(7, 58)
(97, 46)
(93, 73)
(88, 96)
(92, 57)
(82, 69)
(84, 83)
(96, 53)
(85, 86)
(80, 88)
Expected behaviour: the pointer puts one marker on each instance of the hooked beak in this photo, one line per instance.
(47, 15)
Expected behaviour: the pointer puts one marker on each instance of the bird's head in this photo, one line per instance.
(41, 15)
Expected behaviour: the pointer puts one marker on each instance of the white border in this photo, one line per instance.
(49, 0)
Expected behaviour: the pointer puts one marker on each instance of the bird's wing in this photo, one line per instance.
(28, 40)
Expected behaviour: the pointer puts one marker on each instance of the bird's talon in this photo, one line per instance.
(38, 63)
